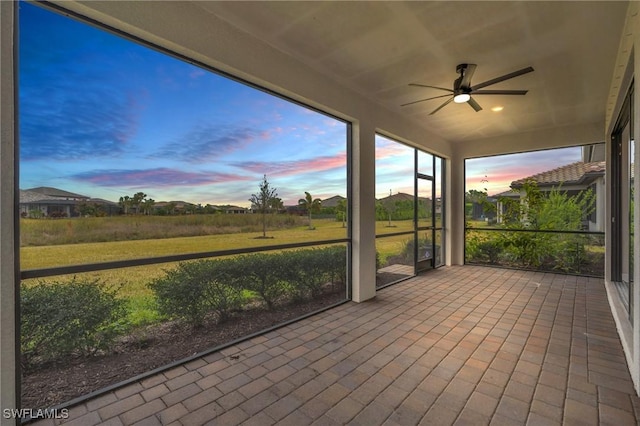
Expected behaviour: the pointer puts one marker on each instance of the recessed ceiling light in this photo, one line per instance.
(497, 108)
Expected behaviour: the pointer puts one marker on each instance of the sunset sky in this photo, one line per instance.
(105, 117)
(495, 174)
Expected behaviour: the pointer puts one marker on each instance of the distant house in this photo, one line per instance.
(173, 207)
(332, 201)
(45, 201)
(229, 209)
(573, 179)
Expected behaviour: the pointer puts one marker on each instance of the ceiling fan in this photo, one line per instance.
(462, 88)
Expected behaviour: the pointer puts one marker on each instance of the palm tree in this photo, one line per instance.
(137, 199)
(147, 206)
(310, 205)
(125, 202)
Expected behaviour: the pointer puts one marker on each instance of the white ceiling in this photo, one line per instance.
(378, 48)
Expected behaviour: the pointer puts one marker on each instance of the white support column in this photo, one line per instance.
(455, 215)
(8, 394)
(363, 212)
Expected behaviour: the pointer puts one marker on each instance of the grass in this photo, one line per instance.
(132, 282)
(45, 232)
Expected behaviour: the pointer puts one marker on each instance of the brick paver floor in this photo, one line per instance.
(459, 345)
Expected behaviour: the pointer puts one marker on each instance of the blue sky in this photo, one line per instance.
(105, 117)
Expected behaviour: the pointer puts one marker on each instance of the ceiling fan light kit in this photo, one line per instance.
(462, 88)
(461, 98)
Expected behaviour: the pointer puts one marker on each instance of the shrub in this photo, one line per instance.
(424, 247)
(263, 274)
(336, 258)
(195, 289)
(491, 250)
(306, 272)
(570, 253)
(526, 248)
(61, 318)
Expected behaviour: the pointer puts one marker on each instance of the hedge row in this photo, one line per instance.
(196, 290)
(83, 316)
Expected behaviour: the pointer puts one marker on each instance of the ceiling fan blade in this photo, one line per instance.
(474, 104)
(503, 78)
(500, 92)
(441, 106)
(422, 100)
(467, 74)
(431, 87)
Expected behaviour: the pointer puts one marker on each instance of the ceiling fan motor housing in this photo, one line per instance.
(461, 68)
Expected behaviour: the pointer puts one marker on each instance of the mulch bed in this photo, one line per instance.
(150, 348)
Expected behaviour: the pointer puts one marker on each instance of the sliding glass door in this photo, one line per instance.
(621, 254)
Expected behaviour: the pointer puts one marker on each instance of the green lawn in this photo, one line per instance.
(133, 280)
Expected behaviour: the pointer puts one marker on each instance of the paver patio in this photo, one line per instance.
(464, 345)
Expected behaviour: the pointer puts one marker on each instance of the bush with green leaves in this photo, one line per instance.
(306, 272)
(80, 316)
(485, 248)
(570, 253)
(424, 250)
(262, 274)
(194, 290)
(336, 258)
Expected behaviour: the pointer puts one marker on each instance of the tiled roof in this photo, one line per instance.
(33, 197)
(55, 192)
(569, 174)
(332, 201)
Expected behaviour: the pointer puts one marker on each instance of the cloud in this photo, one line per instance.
(60, 122)
(74, 101)
(154, 178)
(286, 168)
(208, 142)
(197, 73)
(387, 149)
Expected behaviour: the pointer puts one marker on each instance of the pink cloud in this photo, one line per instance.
(286, 168)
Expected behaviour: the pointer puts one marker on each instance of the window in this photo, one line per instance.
(162, 203)
(536, 210)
